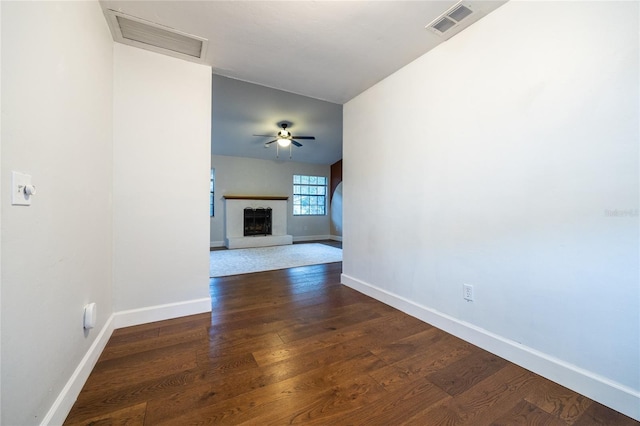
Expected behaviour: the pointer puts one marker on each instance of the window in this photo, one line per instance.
(309, 195)
(212, 192)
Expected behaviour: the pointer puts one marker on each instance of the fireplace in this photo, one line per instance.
(257, 221)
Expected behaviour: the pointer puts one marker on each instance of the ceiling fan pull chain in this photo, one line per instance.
(290, 151)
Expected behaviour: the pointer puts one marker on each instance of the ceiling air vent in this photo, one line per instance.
(451, 18)
(148, 35)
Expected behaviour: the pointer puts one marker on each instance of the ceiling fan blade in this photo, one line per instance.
(304, 137)
(296, 143)
(271, 141)
(267, 136)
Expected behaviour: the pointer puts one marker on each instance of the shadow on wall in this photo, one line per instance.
(336, 211)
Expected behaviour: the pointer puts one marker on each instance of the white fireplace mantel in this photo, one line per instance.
(234, 221)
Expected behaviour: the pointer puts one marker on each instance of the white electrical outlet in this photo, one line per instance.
(467, 292)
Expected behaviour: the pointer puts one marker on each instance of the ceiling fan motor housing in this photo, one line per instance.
(284, 133)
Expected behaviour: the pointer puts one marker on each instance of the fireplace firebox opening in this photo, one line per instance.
(257, 221)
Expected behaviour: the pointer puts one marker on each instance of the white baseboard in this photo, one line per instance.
(311, 238)
(67, 397)
(295, 239)
(607, 392)
(148, 314)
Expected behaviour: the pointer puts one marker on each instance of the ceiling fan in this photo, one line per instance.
(284, 139)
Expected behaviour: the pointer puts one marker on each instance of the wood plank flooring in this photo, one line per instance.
(297, 347)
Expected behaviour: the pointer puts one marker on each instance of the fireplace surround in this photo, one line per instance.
(235, 208)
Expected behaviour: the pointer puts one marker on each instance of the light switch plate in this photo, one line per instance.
(18, 182)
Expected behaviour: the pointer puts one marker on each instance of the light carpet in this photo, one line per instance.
(245, 261)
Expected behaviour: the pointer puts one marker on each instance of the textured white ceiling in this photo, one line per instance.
(326, 50)
(330, 50)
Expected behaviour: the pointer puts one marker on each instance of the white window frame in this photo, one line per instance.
(310, 195)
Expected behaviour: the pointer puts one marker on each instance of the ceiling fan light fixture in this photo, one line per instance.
(284, 142)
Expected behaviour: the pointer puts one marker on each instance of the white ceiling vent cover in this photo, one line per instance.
(450, 19)
(158, 38)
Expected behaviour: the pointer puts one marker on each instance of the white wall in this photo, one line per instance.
(57, 126)
(250, 176)
(1, 184)
(162, 116)
(518, 139)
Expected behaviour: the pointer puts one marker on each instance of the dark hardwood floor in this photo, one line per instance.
(297, 347)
